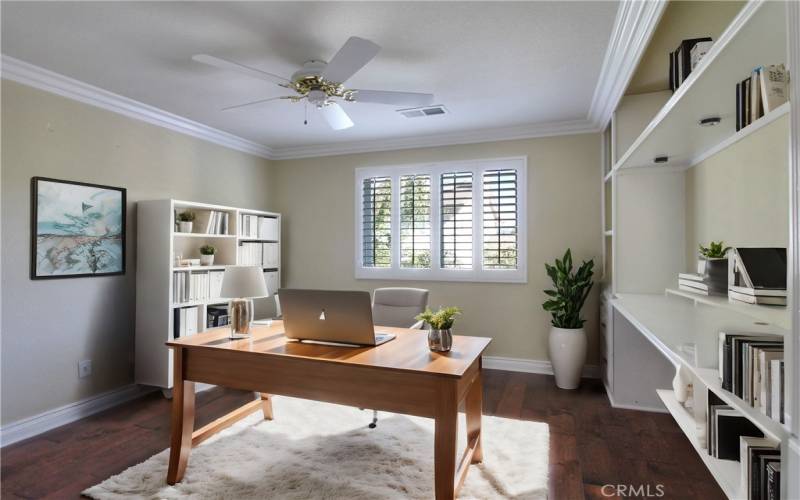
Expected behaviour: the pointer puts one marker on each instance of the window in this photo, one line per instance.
(377, 222)
(500, 219)
(415, 221)
(454, 221)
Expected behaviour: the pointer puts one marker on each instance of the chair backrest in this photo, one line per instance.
(398, 306)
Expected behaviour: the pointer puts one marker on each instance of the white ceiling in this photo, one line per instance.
(492, 64)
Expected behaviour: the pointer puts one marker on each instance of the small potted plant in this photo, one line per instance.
(713, 265)
(440, 335)
(207, 255)
(567, 341)
(185, 220)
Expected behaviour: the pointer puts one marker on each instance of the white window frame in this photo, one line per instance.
(436, 272)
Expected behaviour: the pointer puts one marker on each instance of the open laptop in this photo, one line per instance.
(330, 316)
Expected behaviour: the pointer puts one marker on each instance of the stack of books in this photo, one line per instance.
(217, 316)
(685, 58)
(196, 286)
(184, 322)
(751, 367)
(694, 283)
(758, 276)
(732, 436)
(212, 222)
(257, 227)
(266, 255)
(764, 90)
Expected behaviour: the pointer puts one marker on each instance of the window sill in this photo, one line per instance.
(518, 276)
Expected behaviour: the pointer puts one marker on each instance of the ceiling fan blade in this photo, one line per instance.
(260, 101)
(218, 62)
(410, 99)
(354, 54)
(335, 116)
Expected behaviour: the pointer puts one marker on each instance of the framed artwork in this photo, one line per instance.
(77, 229)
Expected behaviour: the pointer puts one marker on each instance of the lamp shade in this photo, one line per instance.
(244, 282)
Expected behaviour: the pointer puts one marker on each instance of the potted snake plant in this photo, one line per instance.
(567, 340)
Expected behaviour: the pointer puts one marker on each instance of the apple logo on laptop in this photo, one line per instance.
(322, 315)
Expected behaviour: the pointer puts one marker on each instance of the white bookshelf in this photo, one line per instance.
(651, 330)
(158, 243)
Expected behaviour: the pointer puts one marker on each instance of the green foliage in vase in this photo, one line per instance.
(186, 216)
(442, 319)
(714, 250)
(569, 293)
(207, 250)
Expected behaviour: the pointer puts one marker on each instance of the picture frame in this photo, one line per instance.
(78, 229)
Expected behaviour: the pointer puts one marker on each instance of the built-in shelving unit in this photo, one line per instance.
(652, 334)
(757, 35)
(159, 245)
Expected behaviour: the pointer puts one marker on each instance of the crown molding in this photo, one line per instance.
(634, 25)
(34, 76)
(470, 137)
(49, 81)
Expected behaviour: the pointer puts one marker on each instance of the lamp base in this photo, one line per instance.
(241, 313)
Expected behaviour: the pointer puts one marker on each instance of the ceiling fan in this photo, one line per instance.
(322, 84)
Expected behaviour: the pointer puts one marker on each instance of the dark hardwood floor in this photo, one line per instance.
(591, 444)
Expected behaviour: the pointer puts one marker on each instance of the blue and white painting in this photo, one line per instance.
(79, 229)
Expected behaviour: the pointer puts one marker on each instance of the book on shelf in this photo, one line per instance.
(763, 91)
(715, 405)
(777, 390)
(730, 356)
(211, 222)
(259, 227)
(757, 299)
(685, 58)
(691, 277)
(774, 86)
(766, 356)
(757, 275)
(692, 289)
(217, 316)
(754, 453)
(731, 425)
(185, 321)
(699, 50)
(774, 481)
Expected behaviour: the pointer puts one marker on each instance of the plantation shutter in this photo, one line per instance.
(415, 221)
(376, 209)
(456, 220)
(500, 224)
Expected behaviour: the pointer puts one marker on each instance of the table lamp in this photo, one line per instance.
(244, 283)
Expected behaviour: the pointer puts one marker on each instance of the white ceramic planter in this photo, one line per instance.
(185, 227)
(206, 260)
(567, 348)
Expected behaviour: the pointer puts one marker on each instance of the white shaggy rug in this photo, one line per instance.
(323, 451)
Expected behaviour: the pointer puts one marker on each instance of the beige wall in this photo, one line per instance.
(47, 326)
(681, 20)
(741, 195)
(316, 197)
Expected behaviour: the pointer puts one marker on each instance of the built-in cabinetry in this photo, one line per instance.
(655, 338)
(162, 254)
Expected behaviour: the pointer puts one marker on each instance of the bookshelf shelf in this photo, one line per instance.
(726, 472)
(774, 315)
(158, 245)
(202, 235)
(757, 36)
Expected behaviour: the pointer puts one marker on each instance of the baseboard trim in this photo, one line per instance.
(50, 419)
(531, 366)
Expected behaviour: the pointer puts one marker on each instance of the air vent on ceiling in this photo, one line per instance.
(426, 111)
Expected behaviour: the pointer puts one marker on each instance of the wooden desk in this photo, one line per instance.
(401, 376)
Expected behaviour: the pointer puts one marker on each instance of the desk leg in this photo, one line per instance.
(445, 441)
(474, 408)
(182, 420)
(266, 406)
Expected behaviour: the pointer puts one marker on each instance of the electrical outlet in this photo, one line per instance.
(84, 368)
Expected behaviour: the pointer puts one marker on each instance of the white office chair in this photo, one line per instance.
(397, 307)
